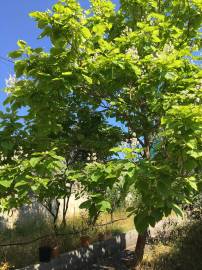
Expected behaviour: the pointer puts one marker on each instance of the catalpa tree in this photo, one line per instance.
(30, 168)
(55, 117)
(137, 64)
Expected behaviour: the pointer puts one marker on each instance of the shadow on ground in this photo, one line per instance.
(184, 250)
(119, 262)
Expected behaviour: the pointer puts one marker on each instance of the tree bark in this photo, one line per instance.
(141, 240)
(139, 249)
(66, 200)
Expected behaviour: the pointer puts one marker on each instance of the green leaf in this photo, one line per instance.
(20, 67)
(104, 206)
(192, 183)
(21, 183)
(178, 211)
(99, 29)
(34, 161)
(157, 214)
(88, 79)
(171, 76)
(22, 44)
(116, 149)
(67, 73)
(6, 183)
(190, 164)
(85, 205)
(192, 144)
(141, 221)
(163, 188)
(195, 154)
(43, 74)
(86, 32)
(15, 54)
(136, 69)
(6, 145)
(57, 79)
(96, 176)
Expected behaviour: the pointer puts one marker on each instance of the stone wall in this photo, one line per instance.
(84, 258)
(36, 210)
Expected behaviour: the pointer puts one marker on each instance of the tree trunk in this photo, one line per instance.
(66, 200)
(141, 240)
(139, 249)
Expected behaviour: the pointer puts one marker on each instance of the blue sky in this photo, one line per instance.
(16, 24)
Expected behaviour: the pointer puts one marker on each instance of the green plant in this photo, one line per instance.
(135, 64)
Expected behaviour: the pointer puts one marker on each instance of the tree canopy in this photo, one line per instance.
(137, 64)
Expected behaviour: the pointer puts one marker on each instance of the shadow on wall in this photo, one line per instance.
(36, 209)
(3, 223)
(96, 254)
(21, 228)
(23, 214)
(30, 215)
